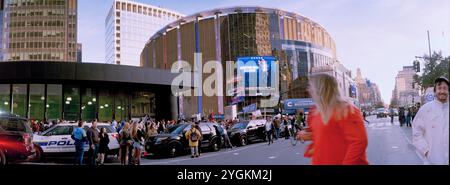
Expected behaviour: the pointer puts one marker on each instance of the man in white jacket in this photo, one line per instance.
(431, 126)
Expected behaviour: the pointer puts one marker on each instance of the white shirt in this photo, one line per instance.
(431, 132)
(268, 125)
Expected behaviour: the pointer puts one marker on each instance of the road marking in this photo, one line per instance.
(235, 153)
(395, 147)
(272, 157)
(297, 153)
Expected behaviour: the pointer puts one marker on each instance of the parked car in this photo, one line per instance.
(247, 131)
(175, 143)
(57, 141)
(15, 139)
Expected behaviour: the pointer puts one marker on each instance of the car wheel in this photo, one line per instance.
(39, 154)
(173, 150)
(243, 141)
(2, 158)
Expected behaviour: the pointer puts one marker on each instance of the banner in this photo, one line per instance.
(249, 108)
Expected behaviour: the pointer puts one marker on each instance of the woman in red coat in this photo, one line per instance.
(336, 126)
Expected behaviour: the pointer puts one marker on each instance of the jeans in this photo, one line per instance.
(79, 151)
(269, 136)
(93, 155)
(227, 141)
(277, 133)
(194, 150)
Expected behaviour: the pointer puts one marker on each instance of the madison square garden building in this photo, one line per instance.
(236, 33)
(48, 89)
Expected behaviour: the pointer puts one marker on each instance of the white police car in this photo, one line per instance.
(57, 141)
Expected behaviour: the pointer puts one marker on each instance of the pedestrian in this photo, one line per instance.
(286, 127)
(219, 133)
(197, 126)
(94, 141)
(414, 110)
(225, 136)
(125, 143)
(103, 147)
(401, 116)
(35, 127)
(138, 138)
(276, 123)
(365, 116)
(114, 124)
(300, 120)
(408, 118)
(392, 114)
(269, 130)
(151, 131)
(193, 135)
(80, 137)
(431, 126)
(337, 128)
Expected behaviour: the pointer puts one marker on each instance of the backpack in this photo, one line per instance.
(194, 136)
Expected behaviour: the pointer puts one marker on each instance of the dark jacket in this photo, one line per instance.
(104, 141)
(92, 136)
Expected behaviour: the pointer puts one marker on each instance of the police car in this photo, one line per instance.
(57, 141)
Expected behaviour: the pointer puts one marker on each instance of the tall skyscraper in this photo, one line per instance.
(37, 30)
(129, 25)
(406, 93)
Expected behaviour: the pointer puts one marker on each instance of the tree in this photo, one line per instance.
(434, 67)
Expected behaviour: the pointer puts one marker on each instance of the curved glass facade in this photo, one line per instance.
(298, 43)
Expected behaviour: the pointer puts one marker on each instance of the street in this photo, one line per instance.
(389, 144)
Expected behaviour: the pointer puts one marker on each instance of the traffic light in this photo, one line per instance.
(416, 65)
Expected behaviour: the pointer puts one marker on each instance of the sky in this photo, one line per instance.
(377, 36)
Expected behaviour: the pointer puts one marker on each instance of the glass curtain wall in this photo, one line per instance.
(37, 101)
(5, 97)
(54, 101)
(19, 106)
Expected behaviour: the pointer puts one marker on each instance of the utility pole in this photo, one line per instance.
(429, 45)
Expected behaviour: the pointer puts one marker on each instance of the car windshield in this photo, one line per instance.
(179, 129)
(171, 129)
(242, 125)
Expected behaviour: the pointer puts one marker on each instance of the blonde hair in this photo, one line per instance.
(329, 101)
(134, 129)
(126, 126)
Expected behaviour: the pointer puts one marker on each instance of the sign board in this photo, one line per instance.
(268, 103)
(237, 99)
(429, 95)
(249, 108)
(230, 112)
(301, 103)
(256, 72)
(219, 116)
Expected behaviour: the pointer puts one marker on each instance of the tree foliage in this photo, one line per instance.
(434, 67)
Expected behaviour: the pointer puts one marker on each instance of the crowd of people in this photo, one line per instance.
(335, 128)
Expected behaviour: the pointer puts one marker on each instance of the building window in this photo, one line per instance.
(121, 106)
(89, 104)
(19, 99)
(71, 103)
(106, 106)
(140, 104)
(37, 101)
(4, 97)
(54, 101)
